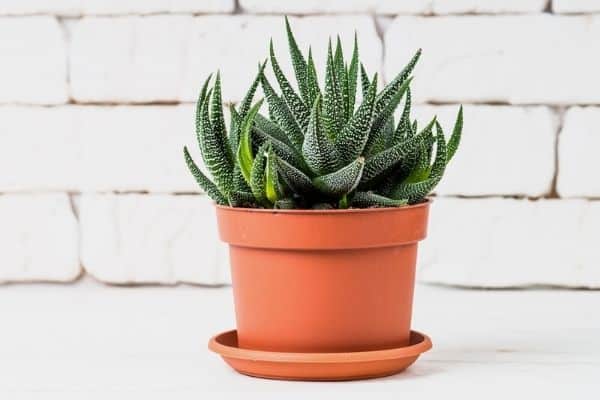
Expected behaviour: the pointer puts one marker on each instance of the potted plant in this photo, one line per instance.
(322, 202)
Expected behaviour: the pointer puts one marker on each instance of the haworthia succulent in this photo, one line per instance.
(257, 175)
(342, 181)
(215, 150)
(315, 150)
(298, 63)
(352, 139)
(282, 114)
(296, 180)
(205, 184)
(456, 134)
(333, 101)
(318, 150)
(377, 165)
(352, 79)
(299, 110)
(245, 157)
(370, 199)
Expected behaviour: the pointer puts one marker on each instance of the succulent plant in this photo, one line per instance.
(315, 149)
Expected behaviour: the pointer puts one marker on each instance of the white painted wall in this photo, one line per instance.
(96, 101)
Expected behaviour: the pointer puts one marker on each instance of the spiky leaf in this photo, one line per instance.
(333, 101)
(312, 79)
(456, 134)
(352, 139)
(245, 157)
(341, 77)
(299, 110)
(342, 181)
(352, 79)
(370, 199)
(391, 88)
(296, 180)
(218, 121)
(364, 80)
(247, 100)
(205, 184)
(403, 130)
(272, 191)
(282, 114)
(318, 150)
(257, 175)
(300, 67)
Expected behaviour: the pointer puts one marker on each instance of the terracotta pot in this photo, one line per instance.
(323, 280)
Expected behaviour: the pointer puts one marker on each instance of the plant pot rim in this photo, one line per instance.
(425, 203)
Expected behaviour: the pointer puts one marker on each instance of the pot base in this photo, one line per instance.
(318, 366)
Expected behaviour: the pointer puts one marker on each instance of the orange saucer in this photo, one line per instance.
(318, 366)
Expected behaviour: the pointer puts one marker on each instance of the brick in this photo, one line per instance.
(512, 243)
(392, 7)
(578, 159)
(151, 239)
(504, 150)
(480, 60)
(135, 148)
(39, 149)
(39, 238)
(113, 7)
(166, 58)
(33, 68)
(575, 6)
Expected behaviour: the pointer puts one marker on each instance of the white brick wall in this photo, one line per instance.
(69, 130)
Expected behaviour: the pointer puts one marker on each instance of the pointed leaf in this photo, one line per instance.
(312, 79)
(403, 130)
(370, 199)
(319, 152)
(333, 102)
(341, 77)
(282, 114)
(352, 139)
(296, 180)
(299, 64)
(352, 79)
(245, 157)
(218, 121)
(299, 110)
(456, 134)
(272, 177)
(257, 175)
(364, 80)
(205, 184)
(391, 88)
(247, 100)
(342, 181)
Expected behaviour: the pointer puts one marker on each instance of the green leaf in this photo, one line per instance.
(370, 199)
(318, 151)
(285, 204)
(205, 184)
(300, 67)
(380, 163)
(352, 139)
(296, 180)
(341, 77)
(342, 181)
(364, 81)
(333, 102)
(282, 114)
(247, 100)
(381, 119)
(415, 192)
(312, 80)
(352, 79)
(271, 129)
(218, 122)
(403, 130)
(272, 189)
(245, 157)
(257, 175)
(241, 199)
(391, 88)
(299, 110)
(456, 134)
(283, 150)
(214, 150)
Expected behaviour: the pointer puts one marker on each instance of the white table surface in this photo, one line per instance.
(87, 341)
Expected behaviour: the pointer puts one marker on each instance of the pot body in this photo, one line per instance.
(323, 281)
